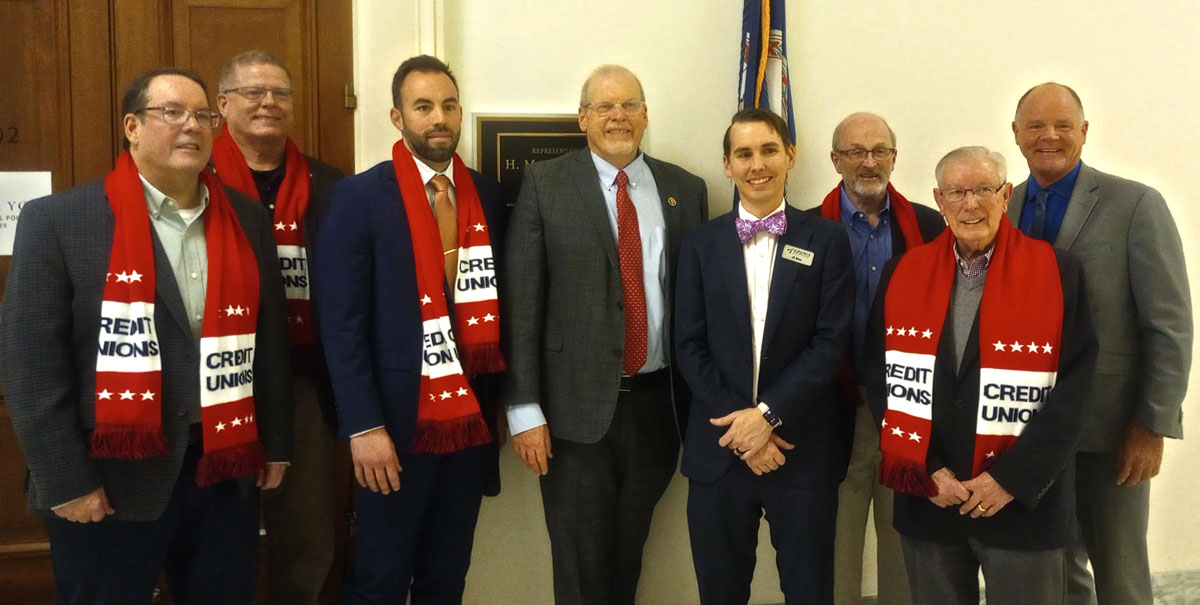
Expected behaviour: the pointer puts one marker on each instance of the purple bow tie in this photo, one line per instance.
(776, 223)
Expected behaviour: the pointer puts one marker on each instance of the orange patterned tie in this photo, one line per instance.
(447, 222)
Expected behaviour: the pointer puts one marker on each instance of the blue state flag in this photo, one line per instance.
(764, 78)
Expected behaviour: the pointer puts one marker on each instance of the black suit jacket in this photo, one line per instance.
(1033, 469)
(48, 336)
(807, 330)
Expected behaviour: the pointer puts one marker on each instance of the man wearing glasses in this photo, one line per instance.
(256, 156)
(881, 224)
(146, 363)
(593, 242)
(979, 358)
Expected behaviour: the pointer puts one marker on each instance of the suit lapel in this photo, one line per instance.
(668, 194)
(1083, 201)
(786, 272)
(166, 288)
(732, 255)
(593, 209)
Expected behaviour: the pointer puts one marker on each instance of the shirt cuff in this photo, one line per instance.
(56, 507)
(366, 431)
(524, 416)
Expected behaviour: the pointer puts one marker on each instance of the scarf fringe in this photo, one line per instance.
(906, 477)
(128, 441)
(448, 436)
(227, 463)
(484, 358)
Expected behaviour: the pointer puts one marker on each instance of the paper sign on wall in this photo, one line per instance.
(16, 188)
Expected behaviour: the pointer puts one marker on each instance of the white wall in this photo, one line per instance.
(944, 72)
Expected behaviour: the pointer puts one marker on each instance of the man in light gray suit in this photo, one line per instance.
(1137, 284)
(116, 519)
(594, 238)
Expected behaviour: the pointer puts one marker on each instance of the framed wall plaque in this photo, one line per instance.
(506, 143)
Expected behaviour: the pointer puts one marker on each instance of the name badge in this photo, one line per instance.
(798, 255)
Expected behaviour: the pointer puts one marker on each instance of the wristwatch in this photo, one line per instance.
(770, 416)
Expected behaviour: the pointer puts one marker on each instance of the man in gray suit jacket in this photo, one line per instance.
(1137, 285)
(594, 238)
(116, 520)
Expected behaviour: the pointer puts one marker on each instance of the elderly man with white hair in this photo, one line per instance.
(979, 355)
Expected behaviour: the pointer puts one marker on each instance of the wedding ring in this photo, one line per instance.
(738, 451)
(981, 508)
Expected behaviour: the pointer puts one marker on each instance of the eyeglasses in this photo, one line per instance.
(957, 196)
(627, 107)
(879, 154)
(254, 94)
(178, 116)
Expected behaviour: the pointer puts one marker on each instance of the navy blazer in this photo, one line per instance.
(367, 304)
(807, 330)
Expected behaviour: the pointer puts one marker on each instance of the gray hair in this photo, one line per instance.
(837, 132)
(976, 152)
(246, 59)
(1069, 90)
(609, 70)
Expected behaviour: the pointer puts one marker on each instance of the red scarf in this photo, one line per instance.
(448, 416)
(1020, 329)
(291, 204)
(831, 208)
(128, 361)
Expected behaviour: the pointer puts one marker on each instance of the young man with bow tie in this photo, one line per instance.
(764, 303)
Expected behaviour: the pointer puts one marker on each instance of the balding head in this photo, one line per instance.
(605, 71)
(864, 153)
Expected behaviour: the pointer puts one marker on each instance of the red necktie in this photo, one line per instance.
(629, 246)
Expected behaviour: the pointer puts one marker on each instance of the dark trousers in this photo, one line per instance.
(299, 515)
(1113, 521)
(206, 540)
(420, 537)
(599, 499)
(948, 573)
(723, 520)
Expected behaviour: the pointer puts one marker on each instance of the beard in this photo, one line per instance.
(419, 143)
(868, 190)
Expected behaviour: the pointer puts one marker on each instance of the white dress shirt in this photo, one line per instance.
(759, 256)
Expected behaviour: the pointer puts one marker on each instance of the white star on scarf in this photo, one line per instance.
(127, 394)
(292, 226)
(897, 432)
(472, 321)
(890, 330)
(489, 317)
(280, 226)
(991, 454)
(999, 345)
(134, 276)
(104, 395)
(927, 334)
(1017, 347)
(1032, 347)
(148, 395)
(220, 426)
(461, 392)
(236, 421)
(914, 437)
(479, 227)
(1046, 348)
(912, 331)
(123, 277)
(426, 300)
(446, 394)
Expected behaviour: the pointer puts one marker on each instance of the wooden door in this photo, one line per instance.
(65, 65)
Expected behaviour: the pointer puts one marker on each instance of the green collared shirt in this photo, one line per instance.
(181, 233)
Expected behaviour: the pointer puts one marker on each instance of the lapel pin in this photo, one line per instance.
(671, 202)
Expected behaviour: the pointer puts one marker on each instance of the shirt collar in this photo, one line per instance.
(850, 212)
(155, 198)
(1062, 187)
(428, 173)
(976, 266)
(636, 170)
(744, 214)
